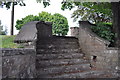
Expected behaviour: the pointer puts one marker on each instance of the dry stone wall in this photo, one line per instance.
(18, 63)
(21, 63)
(95, 48)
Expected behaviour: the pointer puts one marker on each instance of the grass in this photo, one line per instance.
(7, 42)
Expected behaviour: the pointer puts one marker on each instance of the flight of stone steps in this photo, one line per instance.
(61, 57)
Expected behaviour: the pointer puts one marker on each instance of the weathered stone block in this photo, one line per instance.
(18, 63)
(44, 29)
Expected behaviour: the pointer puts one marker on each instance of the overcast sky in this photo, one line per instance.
(32, 7)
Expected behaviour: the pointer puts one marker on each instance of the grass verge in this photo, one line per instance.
(7, 41)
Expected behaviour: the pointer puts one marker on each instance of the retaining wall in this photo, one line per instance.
(18, 63)
(96, 48)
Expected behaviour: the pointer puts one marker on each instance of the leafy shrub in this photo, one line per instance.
(2, 31)
(59, 26)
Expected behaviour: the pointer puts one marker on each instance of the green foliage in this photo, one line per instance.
(45, 2)
(20, 23)
(7, 4)
(45, 16)
(2, 32)
(107, 24)
(101, 7)
(67, 5)
(104, 30)
(91, 11)
(60, 23)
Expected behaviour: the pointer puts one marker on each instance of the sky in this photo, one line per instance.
(32, 7)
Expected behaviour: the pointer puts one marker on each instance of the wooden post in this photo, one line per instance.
(12, 19)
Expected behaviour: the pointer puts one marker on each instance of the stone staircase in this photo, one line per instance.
(60, 57)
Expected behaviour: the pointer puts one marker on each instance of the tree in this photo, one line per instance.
(91, 11)
(96, 12)
(59, 22)
(116, 21)
(45, 2)
(2, 32)
(8, 4)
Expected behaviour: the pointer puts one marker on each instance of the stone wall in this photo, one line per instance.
(18, 63)
(96, 49)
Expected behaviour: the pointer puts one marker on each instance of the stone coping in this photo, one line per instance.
(16, 51)
(87, 26)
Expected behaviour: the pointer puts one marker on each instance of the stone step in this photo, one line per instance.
(104, 75)
(57, 51)
(63, 69)
(78, 74)
(108, 75)
(58, 62)
(68, 37)
(57, 42)
(84, 74)
(54, 46)
(59, 38)
(60, 56)
(63, 38)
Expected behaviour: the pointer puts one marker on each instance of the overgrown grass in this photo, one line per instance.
(7, 42)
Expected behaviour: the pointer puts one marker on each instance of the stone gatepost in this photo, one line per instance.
(44, 33)
(44, 29)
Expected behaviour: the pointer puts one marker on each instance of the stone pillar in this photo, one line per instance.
(74, 31)
(44, 33)
(116, 27)
(44, 29)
